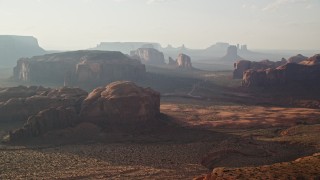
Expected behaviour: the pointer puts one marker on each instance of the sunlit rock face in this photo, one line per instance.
(241, 66)
(149, 56)
(306, 73)
(79, 68)
(314, 60)
(121, 105)
(121, 102)
(184, 61)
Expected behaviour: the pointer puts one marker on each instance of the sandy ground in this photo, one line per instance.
(224, 134)
(105, 161)
(238, 116)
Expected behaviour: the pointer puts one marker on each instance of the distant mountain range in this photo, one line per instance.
(14, 47)
(216, 52)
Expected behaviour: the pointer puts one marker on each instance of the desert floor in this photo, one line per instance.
(227, 134)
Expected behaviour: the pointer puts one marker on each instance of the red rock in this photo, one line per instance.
(121, 102)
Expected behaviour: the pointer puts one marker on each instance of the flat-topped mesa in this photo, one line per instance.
(80, 68)
(243, 65)
(122, 103)
(306, 73)
(14, 47)
(149, 56)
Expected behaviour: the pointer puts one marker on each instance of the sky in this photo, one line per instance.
(81, 24)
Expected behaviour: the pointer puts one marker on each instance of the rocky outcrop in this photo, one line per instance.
(45, 121)
(18, 103)
(121, 102)
(232, 55)
(148, 56)
(240, 67)
(82, 68)
(297, 59)
(243, 65)
(306, 73)
(303, 168)
(314, 60)
(15, 47)
(184, 61)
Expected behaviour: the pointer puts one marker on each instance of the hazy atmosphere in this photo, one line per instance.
(160, 89)
(80, 24)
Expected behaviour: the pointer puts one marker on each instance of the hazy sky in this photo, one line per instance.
(80, 24)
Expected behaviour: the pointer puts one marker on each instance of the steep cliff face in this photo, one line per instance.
(79, 67)
(148, 56)
(121, 105)
(15, 47)
(121, 102)
(306, 73)
(243, 65)
(184, 61)
(232, 54)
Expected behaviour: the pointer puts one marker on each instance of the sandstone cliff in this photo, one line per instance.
(148, 56)
(243, 65)
(184, 61)
(120, 105)
(306, 73)
(79, 68)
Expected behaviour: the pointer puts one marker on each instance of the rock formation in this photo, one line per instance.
(240, 67)
(312, 60)
(79, 68)
(302, 168)
(184, 61)
(47, 120)
(297, 59)
(306, 73)
(232, 54)
(148, 56)
(15, 47)
(243, 65)
(18, 103)
(121, 103)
